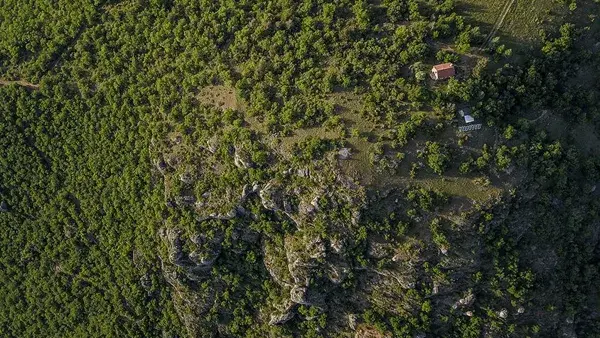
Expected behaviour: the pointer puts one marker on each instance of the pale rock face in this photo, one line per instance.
(344, 153)
(378, 250)
(316, 248)
(444, 250)
(336, 274)
(298, 295)
(521, 310)
(302, 258)
(186, 178)
(303, 172)
(336, 245)
(173, 161)
(503, 313)
(352, 318)
(185, 200)
(212, 144)
(266, 197)
(315, 203)
(281, 318)
(468, 300)
(241, 159)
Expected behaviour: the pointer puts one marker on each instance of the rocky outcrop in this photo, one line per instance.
(212, 144)
(200, 260)
(241, 159)
(187, 177)
(393, 277)
(185, 200)
(466, 301)
(283, 315)
(379, 249)
(344, 153)
(305, 266)
(236, 210)
(503, 313)
(271, 196)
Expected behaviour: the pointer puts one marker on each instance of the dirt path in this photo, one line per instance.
(498, 24)
(544, 113)
(22, 83)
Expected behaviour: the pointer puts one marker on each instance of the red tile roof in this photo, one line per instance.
(445, 70)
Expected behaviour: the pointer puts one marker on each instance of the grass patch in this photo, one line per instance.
(361, 136)
(461, 187)
(521, 24)
(222, 97)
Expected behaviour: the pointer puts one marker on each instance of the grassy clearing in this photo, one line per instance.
(521, 25)
(22, 83)
(222, 97)
(362, 134)
(461, 187)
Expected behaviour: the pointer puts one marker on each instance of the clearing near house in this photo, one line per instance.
(516, 22)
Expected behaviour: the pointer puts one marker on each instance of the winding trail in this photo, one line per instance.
(22, 83)
(507, 6)
(544, 113)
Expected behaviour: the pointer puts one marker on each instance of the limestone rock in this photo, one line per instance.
(337, 273)
(241, 159)
(379, 250)
(212, 144)
(344, 153)
(298, 295)
(303, 172)
(444, 250)
(185, 200)
(466, 301)
(268, 197)
(186, 178)
(281, 318)
(503, 314)
(352, 318)
(284, 314)
(336, 245)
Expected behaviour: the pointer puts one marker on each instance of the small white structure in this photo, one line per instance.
(470, 127)
(464, 113)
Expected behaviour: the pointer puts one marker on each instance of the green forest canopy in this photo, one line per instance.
(120, 182)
